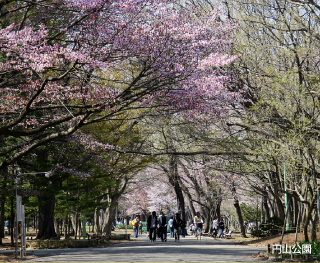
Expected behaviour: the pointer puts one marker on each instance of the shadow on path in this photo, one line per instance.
(142, 250)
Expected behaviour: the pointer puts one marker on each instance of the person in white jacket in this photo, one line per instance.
(215, 227)
(171, 226)
(197, 220)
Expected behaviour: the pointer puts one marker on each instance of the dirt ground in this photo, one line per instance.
(5, 257)
(288, 239)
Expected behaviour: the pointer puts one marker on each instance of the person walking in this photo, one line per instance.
(198, 223)
(215, 227)
(177, 227)
(171, 227)
(152, 223)
(135, 225)
(163, 222)
(183, 227)
(192, 228)
(140, 228)
(221, 226)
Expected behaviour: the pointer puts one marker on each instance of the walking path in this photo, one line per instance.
(139, 249)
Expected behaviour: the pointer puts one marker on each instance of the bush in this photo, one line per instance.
(257, 232)
(315, 247)
(124, 227)
(273, 226)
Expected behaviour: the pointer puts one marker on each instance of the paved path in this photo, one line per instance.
(141, 250)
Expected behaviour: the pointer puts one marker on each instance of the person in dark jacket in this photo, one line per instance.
(177, 227)
(221, 226)
(152, 223)
(163, 222)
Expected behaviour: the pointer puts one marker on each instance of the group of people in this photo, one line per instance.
(157, 226)
(176, 224)
(216, 225)
(219, 225)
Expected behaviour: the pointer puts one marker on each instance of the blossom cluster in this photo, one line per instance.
(101, 57)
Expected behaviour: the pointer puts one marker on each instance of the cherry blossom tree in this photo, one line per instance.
(67, 64)
(149, 191)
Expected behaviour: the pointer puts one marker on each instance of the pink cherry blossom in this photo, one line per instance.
(103, 58)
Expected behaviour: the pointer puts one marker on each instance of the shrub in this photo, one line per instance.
(273, 226)
(124, 227)
(315, 247)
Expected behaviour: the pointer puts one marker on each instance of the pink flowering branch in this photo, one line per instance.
(104, 58)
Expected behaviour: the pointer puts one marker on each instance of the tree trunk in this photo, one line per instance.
(305, 228)
(266, 207)
(110, 213)
(191, 207)
(66, 227)
(2, 207)
(314, 227)
(271, 203)
(188, 196)
(56, 227)
(275, 182)
(291, 210)
(109, 218)
(207, 222)
(46, 217)
(262, 219)
(76, 229)
(275, 185)
(80, 234)
(12, 222)
(185, 190)
(238, 211)
(174, 180)
(34, 219)
(97, 221)
(279, 206)
(218, 211)
(180, 201)
(2, 202)
(240, 219)
(73, 221)
(93, 222)
(296, 212)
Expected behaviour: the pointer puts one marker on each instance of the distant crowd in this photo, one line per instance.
(157, 226)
